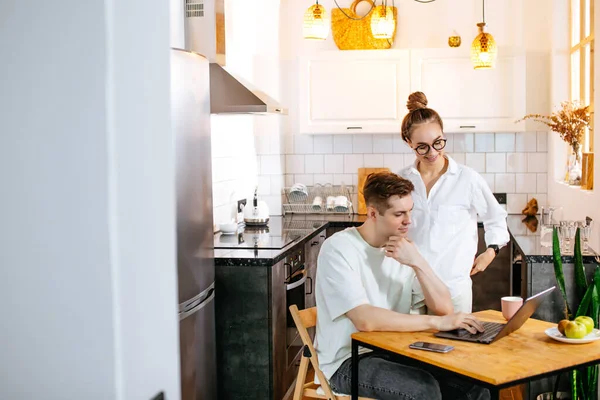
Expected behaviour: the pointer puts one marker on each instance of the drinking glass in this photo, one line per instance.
(586, 232)
(566, 232)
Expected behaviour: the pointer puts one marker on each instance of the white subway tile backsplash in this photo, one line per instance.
(484, 143)
(449, 144)
(505, 183)
(323, 178)
(458, 157)
(323, 144)
(334, 164)
(276, 184)
(395, 162)
(515, 203)
(274, 204)
(505, 142)
(352, 162)
(303, 144)
(362, 144)
(382, 144)
(339, 179)
(537, 162)
(307, 179)
(294, 164)
(525, 142)
(526, 183)
(273, 165)
(476, 161)
(489, 179)
(463, 142)
(495, 162)
(400, 146)
(542, 183)
(516, 162)
(373, 160)
(342, 144)
(542, 141)
(289, 180)
(264, 185)
(409, 159)
(314, 164)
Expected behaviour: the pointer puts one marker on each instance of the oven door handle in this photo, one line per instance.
(299, 282)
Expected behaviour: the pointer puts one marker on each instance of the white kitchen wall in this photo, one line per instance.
(512, 163)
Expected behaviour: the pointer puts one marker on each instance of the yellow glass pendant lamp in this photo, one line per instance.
(316, 22)
(383, 24)
(483, 49)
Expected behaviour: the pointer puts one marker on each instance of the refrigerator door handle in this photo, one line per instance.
(194, 301)
(199, 306)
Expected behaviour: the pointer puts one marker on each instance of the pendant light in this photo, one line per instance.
(483, 49)
(316, 22)
(383, 24)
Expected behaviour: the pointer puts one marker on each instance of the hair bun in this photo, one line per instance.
(416, 101)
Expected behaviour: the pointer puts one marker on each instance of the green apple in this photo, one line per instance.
(575, 330)
(587, 321)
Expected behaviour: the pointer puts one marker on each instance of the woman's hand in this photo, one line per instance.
(482, 261)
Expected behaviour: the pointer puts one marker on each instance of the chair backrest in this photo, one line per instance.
(305, 319)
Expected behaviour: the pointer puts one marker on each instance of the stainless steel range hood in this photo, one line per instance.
(205, 34)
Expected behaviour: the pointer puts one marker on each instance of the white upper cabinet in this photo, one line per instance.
(354, 91)
(471, 100)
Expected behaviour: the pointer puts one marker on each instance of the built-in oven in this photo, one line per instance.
(297, 285)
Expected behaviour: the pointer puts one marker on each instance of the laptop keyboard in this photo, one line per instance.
(491, 329)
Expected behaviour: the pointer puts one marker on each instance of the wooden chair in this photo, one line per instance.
(305, 319)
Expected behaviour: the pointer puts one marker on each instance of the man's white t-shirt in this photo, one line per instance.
(350, 272)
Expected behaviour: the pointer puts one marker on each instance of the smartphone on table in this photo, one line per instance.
(438, 348)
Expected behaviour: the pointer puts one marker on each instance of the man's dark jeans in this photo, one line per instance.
(382, 377)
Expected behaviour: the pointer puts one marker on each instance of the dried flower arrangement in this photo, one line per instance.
(569, 122)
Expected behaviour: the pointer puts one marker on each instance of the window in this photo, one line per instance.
(582, 59)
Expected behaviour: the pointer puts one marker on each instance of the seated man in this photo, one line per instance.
(364, 283)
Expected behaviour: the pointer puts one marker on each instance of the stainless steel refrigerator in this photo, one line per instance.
(190, 112)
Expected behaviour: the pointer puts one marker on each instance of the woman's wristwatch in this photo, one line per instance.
(495, 248)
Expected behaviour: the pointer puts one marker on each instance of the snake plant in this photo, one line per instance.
(584, 382)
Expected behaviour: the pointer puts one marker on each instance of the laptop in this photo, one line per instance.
(495, 331)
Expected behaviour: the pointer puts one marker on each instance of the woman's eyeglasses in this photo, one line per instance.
(423, 149)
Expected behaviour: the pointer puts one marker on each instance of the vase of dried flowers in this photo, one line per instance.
(570, 122)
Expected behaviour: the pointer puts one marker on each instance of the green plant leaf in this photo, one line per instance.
(579, 269)
(596, 309)
(585, 302)
(574, 384)
(593, 312)
(558, 270)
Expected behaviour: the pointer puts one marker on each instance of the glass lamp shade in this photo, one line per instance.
(316, 23)
(383, 24)
(483, 50)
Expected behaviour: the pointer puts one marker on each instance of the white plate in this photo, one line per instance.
(228, 233)
(556, 335)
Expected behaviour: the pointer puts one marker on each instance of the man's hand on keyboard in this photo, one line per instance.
(460, 320)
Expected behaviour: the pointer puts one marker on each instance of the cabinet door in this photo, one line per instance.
(312, 248)
(469, 100)
(354, 91)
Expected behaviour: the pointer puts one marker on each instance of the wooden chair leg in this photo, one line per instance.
(299, 391)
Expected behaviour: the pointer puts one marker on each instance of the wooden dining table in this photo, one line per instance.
(523, 356)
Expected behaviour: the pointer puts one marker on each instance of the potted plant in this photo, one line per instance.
(570, 122)
(584, 383)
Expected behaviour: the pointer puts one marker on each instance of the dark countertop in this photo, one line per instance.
(300, 228)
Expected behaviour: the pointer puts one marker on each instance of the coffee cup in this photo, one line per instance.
(510, 305)
(330, 203)
(317, 204)
(341, 204)
(299, 192)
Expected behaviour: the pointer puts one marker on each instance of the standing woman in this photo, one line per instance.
(447, 199)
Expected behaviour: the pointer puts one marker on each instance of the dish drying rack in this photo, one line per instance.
(296, 202)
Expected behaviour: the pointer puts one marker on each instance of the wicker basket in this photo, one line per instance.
(350, 34)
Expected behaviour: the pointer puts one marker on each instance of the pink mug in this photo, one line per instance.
(510, 305)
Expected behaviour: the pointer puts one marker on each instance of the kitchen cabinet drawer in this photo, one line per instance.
(354, 91)
(469, 100)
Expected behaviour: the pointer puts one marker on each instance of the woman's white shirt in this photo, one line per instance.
(444, 224)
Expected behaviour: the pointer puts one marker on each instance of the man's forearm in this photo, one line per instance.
(437, 295)
(368, 318)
